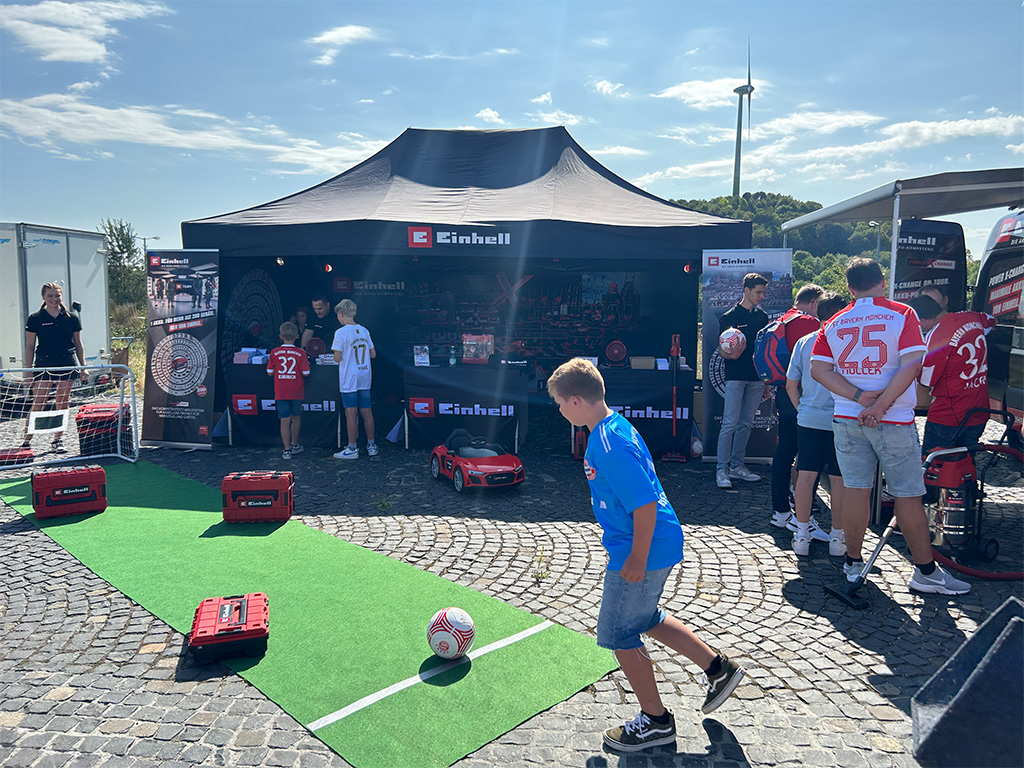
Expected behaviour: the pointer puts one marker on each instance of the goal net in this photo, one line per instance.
(57, 416)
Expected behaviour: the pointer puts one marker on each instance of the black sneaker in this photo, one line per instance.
(722, 684)
(639, 733)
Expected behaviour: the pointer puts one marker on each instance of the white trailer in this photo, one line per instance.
(32, 255)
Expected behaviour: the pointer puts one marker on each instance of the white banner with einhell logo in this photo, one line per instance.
(486, 402)
(722, 282)
(429, 237)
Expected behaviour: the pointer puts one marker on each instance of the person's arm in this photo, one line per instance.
(643, 531)
(373, 353)
(76, 338)
(793, 390)
(910, 367)
(306, 336)
(30, 349)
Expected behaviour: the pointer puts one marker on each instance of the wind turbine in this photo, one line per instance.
(743, 90)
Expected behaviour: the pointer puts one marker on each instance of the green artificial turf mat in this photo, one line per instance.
(345, 622)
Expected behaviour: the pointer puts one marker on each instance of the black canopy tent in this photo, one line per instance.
(517, 233)
(537, 187)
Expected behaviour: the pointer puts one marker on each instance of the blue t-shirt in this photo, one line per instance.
(622, 479)
(816, 402)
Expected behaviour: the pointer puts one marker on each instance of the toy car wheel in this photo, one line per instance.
(435, 467)
(991, 550)
(459, 481)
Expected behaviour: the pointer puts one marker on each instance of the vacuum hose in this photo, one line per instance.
(990, 575)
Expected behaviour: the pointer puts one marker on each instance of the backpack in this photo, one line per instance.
(771, 352)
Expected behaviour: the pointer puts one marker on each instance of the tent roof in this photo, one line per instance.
(926, 196)
(474, 177)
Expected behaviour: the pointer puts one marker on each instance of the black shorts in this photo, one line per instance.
(816, 451)
(55, 371)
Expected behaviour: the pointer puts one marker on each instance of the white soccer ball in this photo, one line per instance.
(732, 341)
(451, 633)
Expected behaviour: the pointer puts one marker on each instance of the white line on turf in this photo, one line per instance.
(373, 698)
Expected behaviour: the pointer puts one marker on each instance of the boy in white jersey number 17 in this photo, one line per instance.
(868, 356)
(644, 541)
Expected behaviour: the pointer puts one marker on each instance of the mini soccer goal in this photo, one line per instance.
(50, 416)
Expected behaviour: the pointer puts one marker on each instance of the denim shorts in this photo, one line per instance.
(360, 399)
(628, 609)
(859, 450)
(288, 408)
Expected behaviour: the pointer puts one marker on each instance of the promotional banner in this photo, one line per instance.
(181, 347)
(254, 419)
(722, 282)
(487, 402)
(930, 253)
(645, 398)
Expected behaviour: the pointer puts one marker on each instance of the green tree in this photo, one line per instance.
(126, 269)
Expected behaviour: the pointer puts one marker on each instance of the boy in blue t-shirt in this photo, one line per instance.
(644, 540)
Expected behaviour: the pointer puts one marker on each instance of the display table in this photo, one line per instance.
(487, 402)
(252, 415)
(644, 397)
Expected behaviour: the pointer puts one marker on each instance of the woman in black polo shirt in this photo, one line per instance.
(53, 338)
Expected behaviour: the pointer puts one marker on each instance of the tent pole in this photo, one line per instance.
(892, 249)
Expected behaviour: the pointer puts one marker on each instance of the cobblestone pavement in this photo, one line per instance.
(89, 678)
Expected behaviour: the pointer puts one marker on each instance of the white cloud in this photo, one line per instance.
(72, 32)
(333, 40)
(453, 56)
(556, 117)
(53, 121)
(598, 42)
(607, 88)
(813, 122)
(1017, 149)
(366, 101)
(489, 115)
(706, 94)
(544, 98)
(617, 150)
(83, 86)
(692, 52)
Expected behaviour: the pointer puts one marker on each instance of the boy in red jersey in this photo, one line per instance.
(956, 369)
(289, 366)
(868, 356)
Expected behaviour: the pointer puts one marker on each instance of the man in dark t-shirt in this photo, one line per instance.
(321, 324)
(743, 388)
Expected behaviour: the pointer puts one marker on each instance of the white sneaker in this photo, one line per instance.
(372, 449)
(286, 455)
(781, 520)
(801, 544)
(722, 479)
(297, 449)
(836, 544)
(742, 473)
(347, 453)
(853, 571)
(940, 582)
(813, 528)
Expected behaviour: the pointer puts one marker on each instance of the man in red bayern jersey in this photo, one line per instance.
(956, 369)
(868, 356)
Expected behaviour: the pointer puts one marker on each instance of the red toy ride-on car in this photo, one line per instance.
(472, 462)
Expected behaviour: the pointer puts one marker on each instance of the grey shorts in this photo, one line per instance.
(894, 446)
(628, 609)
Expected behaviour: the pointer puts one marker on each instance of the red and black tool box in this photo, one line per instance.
(257, 497)
(225, 627)
(97, 428)
(69, 491)
(16, 457)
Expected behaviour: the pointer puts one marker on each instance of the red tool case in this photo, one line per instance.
(97, 428)
(257, 497)
(16, 457)
(69, 491)
(225, 627)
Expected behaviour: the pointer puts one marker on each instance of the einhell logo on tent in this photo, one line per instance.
(472, 238)
(154, 260)
(244, 405)
(474, 409)
(420, 237)
(649, 412)
(421, 407)
(712, 261)
(324, 406)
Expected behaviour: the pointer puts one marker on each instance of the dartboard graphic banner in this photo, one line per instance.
(181, 347)
(722, 283)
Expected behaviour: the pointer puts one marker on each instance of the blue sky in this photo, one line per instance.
(159, 112)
